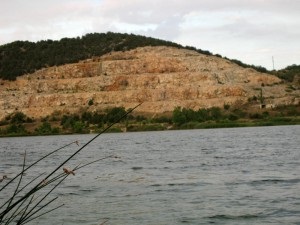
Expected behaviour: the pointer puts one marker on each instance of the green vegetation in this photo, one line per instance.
(24, 57)
(289, 73)
(183, 115)
(19, 124)
(257, 68)
(216, 118)
(46, 128)
(14, 124)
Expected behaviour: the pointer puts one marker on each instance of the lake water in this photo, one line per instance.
(212, 176)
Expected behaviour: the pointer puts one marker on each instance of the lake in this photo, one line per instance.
(210, 176)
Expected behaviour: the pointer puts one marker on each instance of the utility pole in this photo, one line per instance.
(273, 63)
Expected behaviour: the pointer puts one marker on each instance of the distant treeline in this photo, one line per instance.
(23, 57)
(289, 73)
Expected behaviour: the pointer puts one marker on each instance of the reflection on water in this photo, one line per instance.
(220, 176)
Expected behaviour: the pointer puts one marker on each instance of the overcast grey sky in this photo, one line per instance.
(248, 30)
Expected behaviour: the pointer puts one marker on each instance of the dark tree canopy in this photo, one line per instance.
(288, 73)
(23, 57)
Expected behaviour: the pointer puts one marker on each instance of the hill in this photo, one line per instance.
(161, 77)
(24, 57)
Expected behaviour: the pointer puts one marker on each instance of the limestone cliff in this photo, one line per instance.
(160, 77)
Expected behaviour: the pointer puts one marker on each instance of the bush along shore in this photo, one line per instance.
(19, 124)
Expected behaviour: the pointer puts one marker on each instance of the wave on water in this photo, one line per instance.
(196, 181)
(137, 168)
(234, 217)
(266, 181)
(274, 181)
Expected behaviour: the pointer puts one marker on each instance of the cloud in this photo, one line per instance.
(234, 28)
(35, 20)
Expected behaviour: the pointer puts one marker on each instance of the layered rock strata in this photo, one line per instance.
(160, 77)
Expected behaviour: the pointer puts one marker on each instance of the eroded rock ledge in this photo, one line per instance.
(160, 77)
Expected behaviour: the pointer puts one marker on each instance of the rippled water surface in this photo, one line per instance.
(218, 176)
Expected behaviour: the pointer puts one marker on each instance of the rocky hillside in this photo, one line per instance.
(160, 77)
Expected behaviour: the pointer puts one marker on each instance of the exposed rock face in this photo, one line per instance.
(160, 77)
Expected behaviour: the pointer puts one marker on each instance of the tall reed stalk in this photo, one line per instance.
(29, 200)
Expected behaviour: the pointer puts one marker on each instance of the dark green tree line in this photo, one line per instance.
(23, 57)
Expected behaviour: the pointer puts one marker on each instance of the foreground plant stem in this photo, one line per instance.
(37, 187)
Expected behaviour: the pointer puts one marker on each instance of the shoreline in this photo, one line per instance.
(139, 127)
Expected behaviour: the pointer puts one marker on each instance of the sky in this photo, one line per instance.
(259, 32)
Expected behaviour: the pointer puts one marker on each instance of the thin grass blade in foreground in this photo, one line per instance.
(13, 207)
(36, 163)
